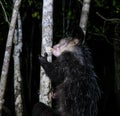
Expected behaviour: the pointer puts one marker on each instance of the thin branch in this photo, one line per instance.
(3, 79)
(116, 39)
(80, 2)
(17, 71)
(97, 34)
(102, 35)
(106, 19)
(6, 17)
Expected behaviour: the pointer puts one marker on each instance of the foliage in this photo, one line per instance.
(6, 8)
(109, 9)
(103, 23)
(5, 15)
(34, 5)
(104, 16)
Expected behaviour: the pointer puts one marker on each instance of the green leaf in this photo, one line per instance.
(114, 3)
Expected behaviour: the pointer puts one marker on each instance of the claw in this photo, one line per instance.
(51, 49)
(45, 55)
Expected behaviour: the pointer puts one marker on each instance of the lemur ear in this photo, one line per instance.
(76, 41)
(78, 33)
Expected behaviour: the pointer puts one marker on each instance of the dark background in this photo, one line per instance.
(100, 39)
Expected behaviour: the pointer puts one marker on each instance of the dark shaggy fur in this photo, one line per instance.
(77, 89)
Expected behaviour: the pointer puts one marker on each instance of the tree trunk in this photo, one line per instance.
(47, 35)
(84, 15)
(63, 15)
(8, 53)
(117, 72)
(17, 71)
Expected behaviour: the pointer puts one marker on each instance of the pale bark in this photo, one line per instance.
(17, 71)
(84, 15)
(8, 53)
(47, 35)
(63, 14)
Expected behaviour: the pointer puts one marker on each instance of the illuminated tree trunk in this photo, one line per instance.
(47, 35)
(8, 53)
(84, 15)
(17, 71)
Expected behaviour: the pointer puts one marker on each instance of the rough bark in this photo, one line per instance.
(8, 53)
(17, 71)
(47, 35)
(84, 15)
(63, 14)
